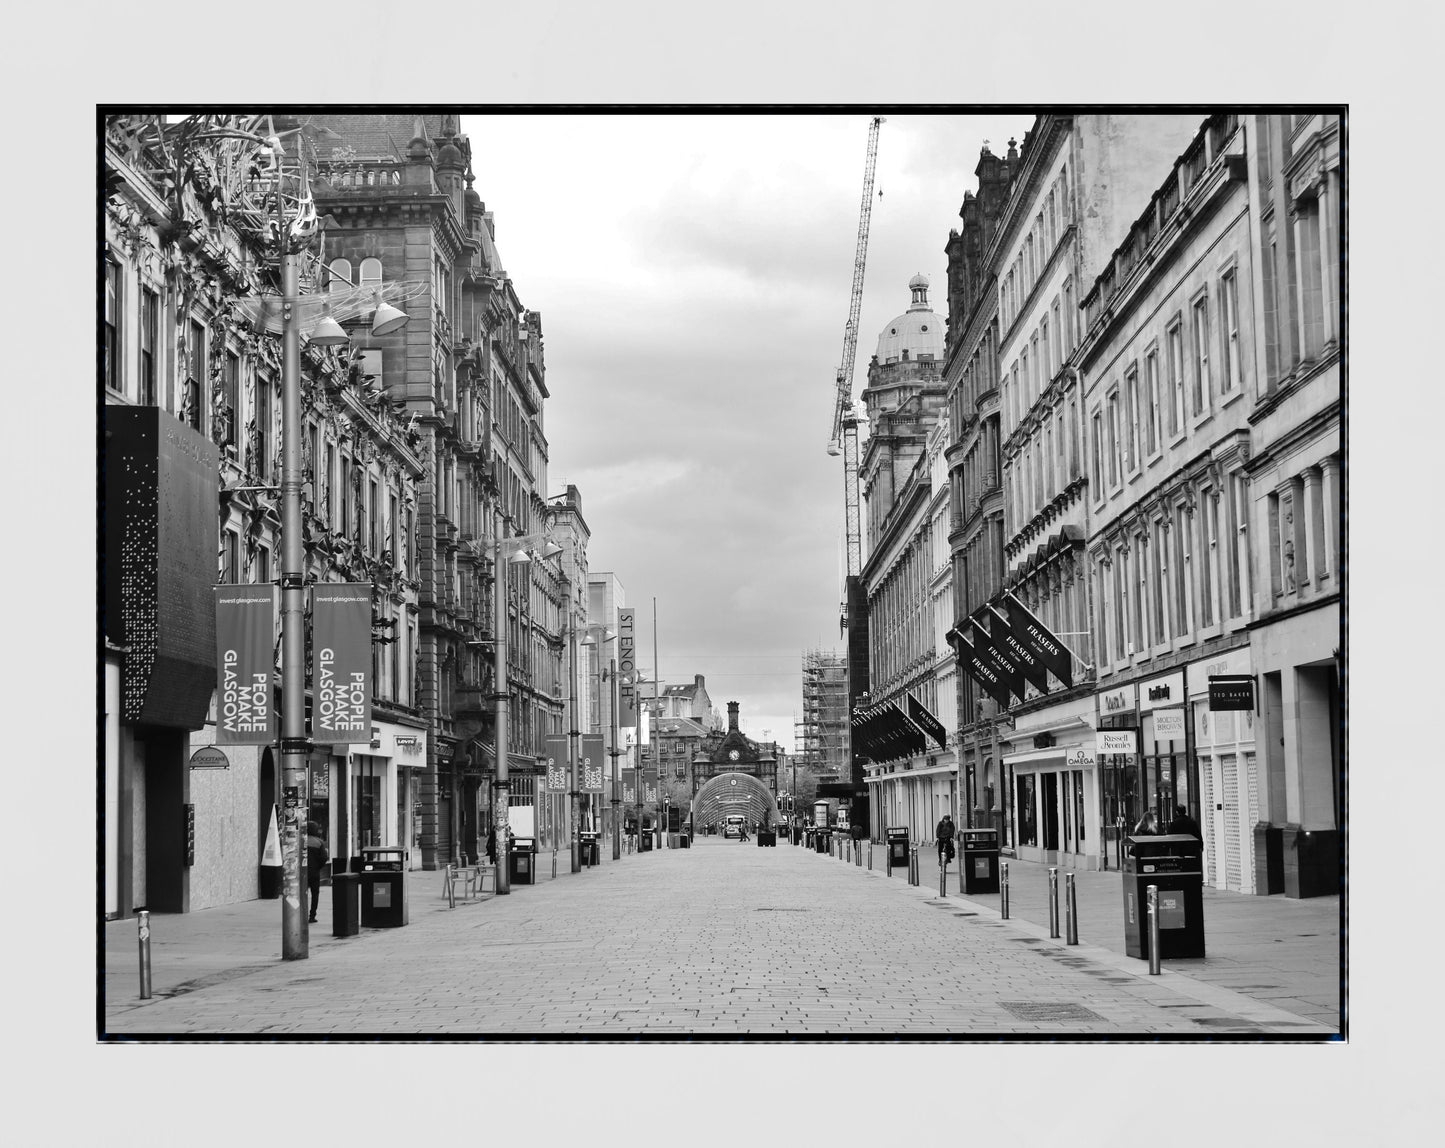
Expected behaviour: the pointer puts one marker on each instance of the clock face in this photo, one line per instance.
(733, 755)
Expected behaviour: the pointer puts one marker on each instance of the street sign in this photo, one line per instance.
(209, 757)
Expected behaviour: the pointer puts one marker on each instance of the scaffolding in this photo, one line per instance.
(822, 732)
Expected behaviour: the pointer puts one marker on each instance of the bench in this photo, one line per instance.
(472, 880)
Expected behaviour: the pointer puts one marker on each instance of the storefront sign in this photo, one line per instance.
(1117, 701)
(924, 719)
(1169, 725)
(209, 757)
(1162, 692)
(626, 668)
(590, 769)
(1231, 692)
(1039, 639)
(556, 748)
(1111, 741)
(1079, 758)
(341, 662)
(245, 637)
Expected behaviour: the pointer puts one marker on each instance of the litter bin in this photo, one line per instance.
(591, 854)
(345, 899)
(644, 841)
(522, 861)
(383, 886)
(980, 860)
(820, 840)
(1175, 863)
(897, 838)
(684, 839)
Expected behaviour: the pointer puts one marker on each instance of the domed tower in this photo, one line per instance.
(904, 395)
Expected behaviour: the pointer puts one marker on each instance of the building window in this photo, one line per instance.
(263, 565)
(1161, 580)
(1201, 355)
(371, 516)
(1151, 401)
(1101, 610)
(231, 398)
(150, 342)
(1209, 568)
(191, 405)
(339, 273)
(1229, 304)
(195, 371)
(1121, 601)
(230, 561)
(1175, 342)
(1308, 276)
(1183, 591)
(1131, 419)
(1113, 412)
(1236, 539)
(1276, 576)
(111, 350)
(370, 273)
(261, 463)
(324, 486)
(1098, 444)
(344, 497)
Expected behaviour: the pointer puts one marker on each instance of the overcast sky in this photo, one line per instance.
(693, 275)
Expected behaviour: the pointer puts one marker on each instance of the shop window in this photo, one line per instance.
(1028, 810)
(111, 351)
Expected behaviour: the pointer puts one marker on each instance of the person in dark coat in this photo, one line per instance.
(316, 856)
(492, 845)
(944, 835)
(1146, 826)
(1183, 823)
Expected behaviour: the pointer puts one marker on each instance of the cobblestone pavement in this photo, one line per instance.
(718, 940)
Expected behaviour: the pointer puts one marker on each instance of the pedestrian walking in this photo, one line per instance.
(1183, 823)
(944, 834)
(1146, 826)
(492, 845)
(316, 856)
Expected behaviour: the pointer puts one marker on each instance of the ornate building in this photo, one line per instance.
(192, 415)
(1080, 184)
(906, 570)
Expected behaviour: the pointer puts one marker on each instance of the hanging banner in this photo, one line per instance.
(245, 639)
(590, 768)
(981, 672)
(1003, 665)
(626, 667)
(629, 786)
(556, 764)
(1056, 656)
(341, 662)
(923, 718)
(1029, 664)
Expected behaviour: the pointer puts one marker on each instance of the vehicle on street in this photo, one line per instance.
(733, 825)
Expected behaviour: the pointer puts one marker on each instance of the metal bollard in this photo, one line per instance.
(554, 862)
(1151, 898)
(858, 854)
(1071, 911)
(1053, 901)
(143, 928)
(942, 876)
(913, 865)
(1003, 892)
(870, 856)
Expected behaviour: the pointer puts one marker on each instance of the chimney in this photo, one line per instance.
(732, 717)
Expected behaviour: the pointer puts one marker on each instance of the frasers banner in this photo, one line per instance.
(245, 639)
(626, 668)
(556, 765)
(590, 768)
(341, 662)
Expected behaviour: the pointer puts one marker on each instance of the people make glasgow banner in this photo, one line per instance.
(341, 662)
(245, 660)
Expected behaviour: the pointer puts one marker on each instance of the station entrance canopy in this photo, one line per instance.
(734, 793)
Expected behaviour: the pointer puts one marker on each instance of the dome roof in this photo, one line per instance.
(917, 331)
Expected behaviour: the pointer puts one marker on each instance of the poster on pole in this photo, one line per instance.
(556, 764)
(341, 662)
(626, 667)
(589, 769)
(245, 640)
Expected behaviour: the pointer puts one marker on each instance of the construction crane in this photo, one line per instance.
(845, 422)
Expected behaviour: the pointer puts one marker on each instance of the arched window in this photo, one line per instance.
(370, 273)
(338, 272)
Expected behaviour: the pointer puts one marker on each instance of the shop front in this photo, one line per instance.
(1051, 772)
(1224, 763)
